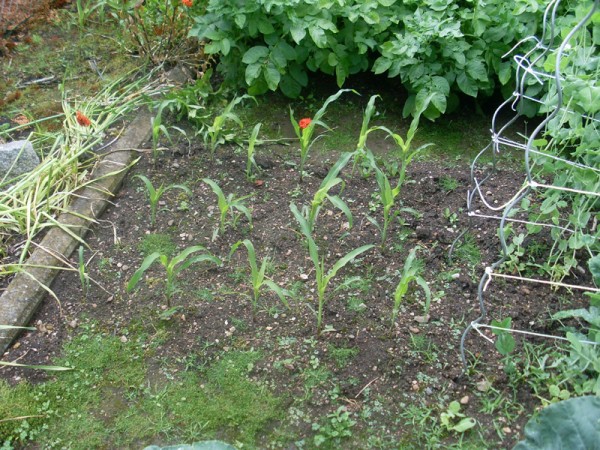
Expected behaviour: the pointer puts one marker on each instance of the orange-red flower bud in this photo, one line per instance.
(82, 119)
(304, 123)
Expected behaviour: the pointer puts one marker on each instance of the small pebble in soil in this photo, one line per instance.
(464, 400)
(483, 385)
(507, 430)
(123, 339)
(414, 330)
(415, 385)
(422, 319)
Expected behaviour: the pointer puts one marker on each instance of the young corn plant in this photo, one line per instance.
(84, 277)
(410, 273)
(305, 128)
(217, 133)
(322, 194)
(158, 128)
(258, 277)
(360, 154)
(154, 195)
(387, 193)
(173, 267)
(323, 277)
(251, 163)
(387, 197)
(234, 206)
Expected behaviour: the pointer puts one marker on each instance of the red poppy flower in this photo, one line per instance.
(82, 119)
(187, 3)
(304, 123)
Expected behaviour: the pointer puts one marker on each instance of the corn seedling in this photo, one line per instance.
(387, 197)
(410, 273)
(251, 144)
(360, 154)
(158, 128)
(305, 128)
(217, 133)
(234, 206)
(387, 193)
(84, 277)
(323, 276)
(258, 277)
(173, 267)
(322, 194)
(154, 195)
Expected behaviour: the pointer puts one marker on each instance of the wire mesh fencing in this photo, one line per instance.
(557, 199)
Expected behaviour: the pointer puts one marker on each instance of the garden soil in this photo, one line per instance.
(211, 311)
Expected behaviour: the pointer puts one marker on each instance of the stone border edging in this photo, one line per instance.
(24, 295)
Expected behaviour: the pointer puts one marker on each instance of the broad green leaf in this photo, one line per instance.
(466, 85)
(252, 72)
(570, 424)
(240, 20)
(381, 65)
(465, 424)
(255, 54)
(272, 76)
(318, 36)
(298, 32)
(476, 70)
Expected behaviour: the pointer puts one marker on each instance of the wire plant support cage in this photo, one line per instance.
(559, 197)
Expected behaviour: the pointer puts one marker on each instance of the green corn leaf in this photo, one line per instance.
(199, 258)
(281, 293)
(146, 263)
(346, 259)
(342, 206)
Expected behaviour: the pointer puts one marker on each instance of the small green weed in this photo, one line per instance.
(336, 429)
(341, 356)
(156, 242)
(468, 251)
(448, 183)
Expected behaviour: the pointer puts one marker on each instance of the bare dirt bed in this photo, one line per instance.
(414, 362)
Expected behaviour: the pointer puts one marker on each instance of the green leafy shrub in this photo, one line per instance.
(439, 47)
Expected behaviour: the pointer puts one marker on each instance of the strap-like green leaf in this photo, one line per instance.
(147, 262)
(346, 259)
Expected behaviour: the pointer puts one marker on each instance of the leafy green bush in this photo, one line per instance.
(434, 46)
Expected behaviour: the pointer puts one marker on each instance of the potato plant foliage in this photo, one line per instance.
(440, 47)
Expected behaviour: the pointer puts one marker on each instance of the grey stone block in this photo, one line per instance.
(16, 158)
